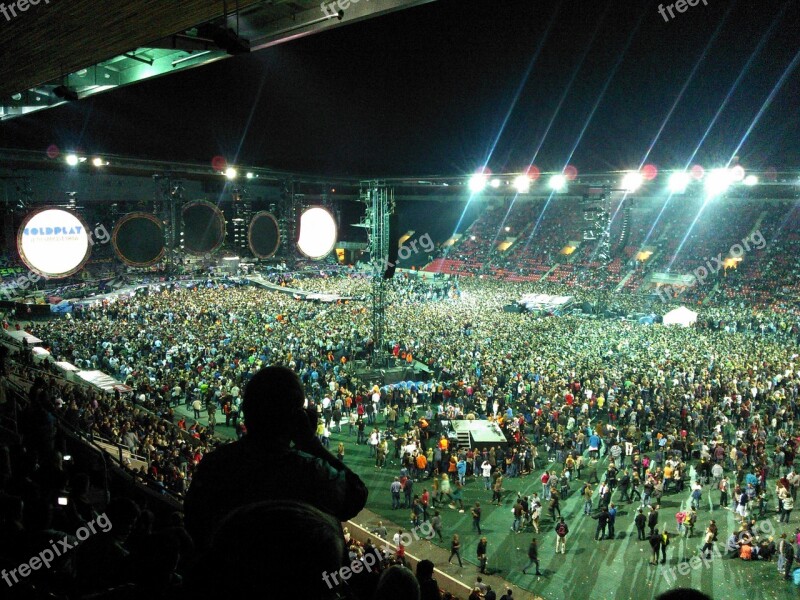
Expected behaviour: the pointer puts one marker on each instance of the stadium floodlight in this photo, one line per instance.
(522, 184)
(495, 183)
(72, 160)
(477, 182)
(231, 173)
(678, 182)
(249, 175)
(558, 183)
(98, 162)
(718, 182)
(751, 180)
(737, 173)
(632, 181)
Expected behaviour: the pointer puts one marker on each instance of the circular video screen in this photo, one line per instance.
(317, 233)
(54, 242)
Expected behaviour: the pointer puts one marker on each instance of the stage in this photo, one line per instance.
(478, 434)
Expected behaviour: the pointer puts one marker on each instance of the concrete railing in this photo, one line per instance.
(445, 581)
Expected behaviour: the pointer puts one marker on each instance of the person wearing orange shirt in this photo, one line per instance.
(453, 466)
(422, 464)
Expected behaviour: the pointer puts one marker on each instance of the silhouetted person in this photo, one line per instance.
(429, 588)
(397, 583)
(683, 594)
(253, 545)
(264, 465)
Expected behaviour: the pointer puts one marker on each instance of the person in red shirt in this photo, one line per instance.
(424, 500)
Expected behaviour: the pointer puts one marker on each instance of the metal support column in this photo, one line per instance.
(597, 223)
(380, 205)
(167, 199)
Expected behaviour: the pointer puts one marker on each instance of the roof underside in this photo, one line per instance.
(72, 49)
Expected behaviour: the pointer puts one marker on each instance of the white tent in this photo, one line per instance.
(99, 379)
(18, 336)
(680, 316)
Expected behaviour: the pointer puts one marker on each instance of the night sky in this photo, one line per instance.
(455, 84)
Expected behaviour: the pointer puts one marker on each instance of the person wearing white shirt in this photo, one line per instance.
(486, 471)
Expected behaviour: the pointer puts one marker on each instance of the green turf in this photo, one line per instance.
(589, 569)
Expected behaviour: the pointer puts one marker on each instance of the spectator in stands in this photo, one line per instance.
(397, 583)
(251, 546)
(429, 588)
(263, 465)
(103, 559)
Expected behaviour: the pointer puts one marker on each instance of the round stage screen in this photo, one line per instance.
(317, 233)
(203, 227)
(54, 242)
(138, 239)
(263, 235)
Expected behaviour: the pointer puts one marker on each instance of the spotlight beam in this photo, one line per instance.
(686, 83)
(776, 88)
(522, 83)
(736, 83)
(568, 88)
(602, 93)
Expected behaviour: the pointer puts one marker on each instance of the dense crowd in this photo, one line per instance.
(665, 404)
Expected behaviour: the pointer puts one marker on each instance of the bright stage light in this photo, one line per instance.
(249, 175)
(718, 182)
(678, 182)
(72, 160)
(317, 233)
(231, 173)
(632, 181)
(751, 180)
(558, 183)
(477, 182)
(522, 184)
(495, 183)
(649, 172)
(737, 173)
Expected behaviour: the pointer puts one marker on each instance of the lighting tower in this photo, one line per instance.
(380, 202)
(597, 216)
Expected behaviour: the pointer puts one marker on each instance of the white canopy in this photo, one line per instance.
(99, 379)
(680, 316)
(18, 336)
(39, 354)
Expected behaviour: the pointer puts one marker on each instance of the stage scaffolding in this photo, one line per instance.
(380, 204)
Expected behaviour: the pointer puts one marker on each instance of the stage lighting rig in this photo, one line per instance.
(66, 93)
(225, 38)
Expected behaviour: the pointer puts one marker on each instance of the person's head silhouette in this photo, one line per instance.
(254, 543)
(273, 398)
